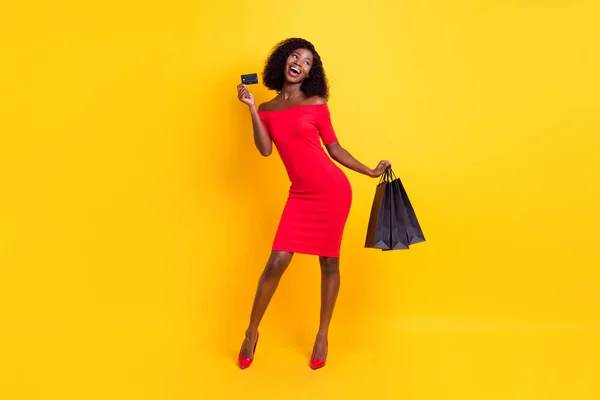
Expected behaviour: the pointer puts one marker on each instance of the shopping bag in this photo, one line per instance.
(398, 230)
(379, 228)
(405, 212)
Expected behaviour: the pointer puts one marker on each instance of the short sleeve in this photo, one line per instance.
(263, 119)
(324, 126)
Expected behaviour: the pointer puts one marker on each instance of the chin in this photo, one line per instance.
(290, 79)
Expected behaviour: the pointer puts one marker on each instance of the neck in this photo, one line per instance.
(291, 90)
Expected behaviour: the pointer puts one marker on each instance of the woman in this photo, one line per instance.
(297, 120)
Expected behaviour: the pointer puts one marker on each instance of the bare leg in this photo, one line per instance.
(330, 286)
(267, 284)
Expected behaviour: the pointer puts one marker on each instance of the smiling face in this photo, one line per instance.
(297, 66)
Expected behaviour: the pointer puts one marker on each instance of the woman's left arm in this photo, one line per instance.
(336, 151)
(342, 156)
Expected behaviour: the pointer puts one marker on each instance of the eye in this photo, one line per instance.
(295, 56)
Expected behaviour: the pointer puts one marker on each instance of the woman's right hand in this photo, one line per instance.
(245, 96)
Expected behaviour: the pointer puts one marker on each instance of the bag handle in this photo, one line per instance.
(392, 174)
(387, 176)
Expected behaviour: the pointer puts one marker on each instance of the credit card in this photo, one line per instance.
(249, 79)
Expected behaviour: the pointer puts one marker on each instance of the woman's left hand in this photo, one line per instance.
(380, 169)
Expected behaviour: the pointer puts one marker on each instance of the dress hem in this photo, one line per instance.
(307, 252)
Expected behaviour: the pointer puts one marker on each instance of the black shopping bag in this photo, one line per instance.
(399, 235)
(405, 212)
(379, 228)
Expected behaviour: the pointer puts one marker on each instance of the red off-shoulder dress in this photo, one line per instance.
(320, 194)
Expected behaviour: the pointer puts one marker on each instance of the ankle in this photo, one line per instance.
(322, 335)
(251, 333)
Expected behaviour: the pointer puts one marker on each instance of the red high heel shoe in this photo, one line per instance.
(246, 362)
(316, 363)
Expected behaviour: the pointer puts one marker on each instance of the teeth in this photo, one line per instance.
(296, 70)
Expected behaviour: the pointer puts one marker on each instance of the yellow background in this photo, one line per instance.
(136, 216)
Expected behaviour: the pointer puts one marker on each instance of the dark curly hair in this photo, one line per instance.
(273, 75)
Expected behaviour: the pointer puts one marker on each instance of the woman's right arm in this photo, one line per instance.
(262, 140)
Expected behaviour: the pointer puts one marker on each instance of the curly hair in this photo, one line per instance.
(315, 84)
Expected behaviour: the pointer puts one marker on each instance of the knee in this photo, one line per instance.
(276, 266)
(330, 266)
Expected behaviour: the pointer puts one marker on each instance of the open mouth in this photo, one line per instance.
(294, 71)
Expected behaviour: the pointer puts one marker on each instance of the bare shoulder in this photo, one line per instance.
(268, 105)
(264, 106)
(314, 100)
